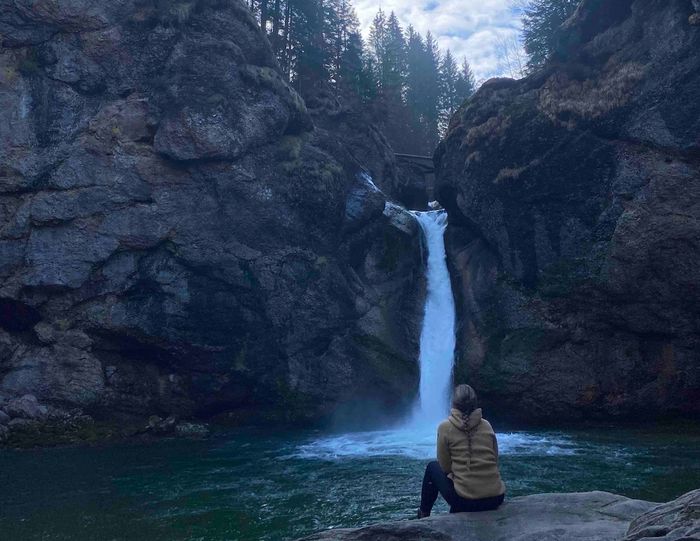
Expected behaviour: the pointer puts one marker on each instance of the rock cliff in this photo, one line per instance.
(180, 234)
(574, 199)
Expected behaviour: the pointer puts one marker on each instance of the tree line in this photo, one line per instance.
(402, 78)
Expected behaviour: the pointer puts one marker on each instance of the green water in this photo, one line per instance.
(253, 485)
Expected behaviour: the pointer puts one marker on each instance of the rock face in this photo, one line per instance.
(574, 199)
(590, 516)
(179, 234)
(679, 519)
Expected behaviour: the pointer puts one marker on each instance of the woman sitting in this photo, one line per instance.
(466, 472)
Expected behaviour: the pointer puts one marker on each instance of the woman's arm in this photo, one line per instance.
(443, 452)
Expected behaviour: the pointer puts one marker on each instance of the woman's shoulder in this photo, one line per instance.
(445, 426)
(486, 426)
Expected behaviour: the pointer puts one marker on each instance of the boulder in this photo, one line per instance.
(158, 425)
(24, 424)
(191, 430)
(26, 407)
(694, 19)
(45, 333)
(400, 218)
(365, 203)
(676, 520)
(587, 516)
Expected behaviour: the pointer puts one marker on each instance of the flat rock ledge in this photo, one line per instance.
(582, 516)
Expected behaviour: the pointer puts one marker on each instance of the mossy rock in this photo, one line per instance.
(289, 148)
(382, 359)
(240, 360)
(29, 66)
(562, 278)
(394, 248)
(250, 276)
(293, 405)
(509, 355)
(43, 434)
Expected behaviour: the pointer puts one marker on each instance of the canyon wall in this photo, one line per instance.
(574, 201)
(181, 235)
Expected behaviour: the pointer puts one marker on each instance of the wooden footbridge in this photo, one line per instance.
(423, 164)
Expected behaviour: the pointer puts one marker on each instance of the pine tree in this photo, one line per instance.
(415, 71)
(466, 82)
(310, 47)
(395, 58)
(387, 44)
(284, 52)
(336, 34)
(377, 44)
(542, 22)
(264, 14)
(276, 17)
(346, 50)
(352, 65)
(431, 90)
(449, 94)
(369, 79)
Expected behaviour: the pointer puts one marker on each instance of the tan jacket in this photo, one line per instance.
(472, 465)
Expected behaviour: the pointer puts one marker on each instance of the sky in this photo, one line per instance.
(475, 29)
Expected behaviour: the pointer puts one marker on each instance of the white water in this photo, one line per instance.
(419, 443)
(369, 181)
(437, 339)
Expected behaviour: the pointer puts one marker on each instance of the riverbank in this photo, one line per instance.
(25, 423)
(589, 516)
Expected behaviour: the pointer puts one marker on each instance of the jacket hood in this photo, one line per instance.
(461, 421)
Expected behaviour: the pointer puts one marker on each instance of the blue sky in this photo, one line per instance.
(476, 29)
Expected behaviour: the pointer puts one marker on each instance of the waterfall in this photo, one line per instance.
(415, 437)
(437, 339)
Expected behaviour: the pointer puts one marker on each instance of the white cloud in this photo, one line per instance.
(475, 29)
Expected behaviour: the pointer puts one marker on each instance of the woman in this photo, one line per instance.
(466, 472)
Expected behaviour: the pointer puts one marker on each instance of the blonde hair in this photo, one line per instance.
(464, 399)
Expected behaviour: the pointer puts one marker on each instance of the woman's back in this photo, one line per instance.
(468, 453)
(466, 471)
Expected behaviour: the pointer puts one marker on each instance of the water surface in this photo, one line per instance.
(250, 485)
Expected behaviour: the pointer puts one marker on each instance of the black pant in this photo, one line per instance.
(435, 480)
